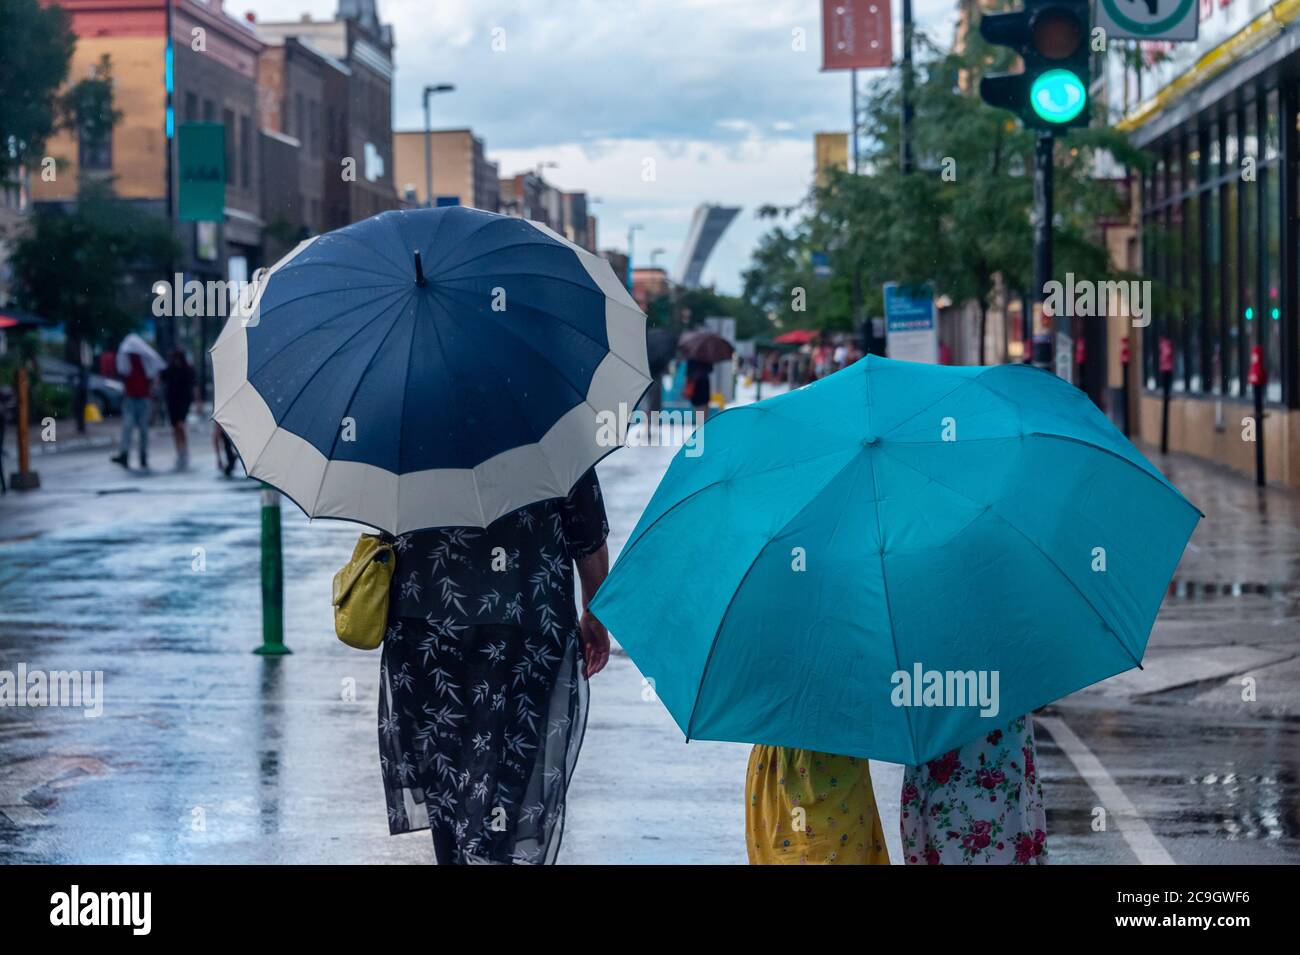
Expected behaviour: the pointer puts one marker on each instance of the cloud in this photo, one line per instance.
(713, 90)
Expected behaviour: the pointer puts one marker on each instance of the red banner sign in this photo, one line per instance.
(856, 35)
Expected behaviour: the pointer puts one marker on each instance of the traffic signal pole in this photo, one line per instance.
(1043, 214)
(905, 129)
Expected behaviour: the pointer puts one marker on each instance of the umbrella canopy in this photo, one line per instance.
(152, 362)
(800, 336)
(799, 582)
(429, 368)
(704, 346)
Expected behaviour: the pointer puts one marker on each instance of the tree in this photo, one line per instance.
(961, 219)
(72, 264)
(36, 44)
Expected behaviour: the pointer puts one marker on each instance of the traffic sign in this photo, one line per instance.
(1148, 19)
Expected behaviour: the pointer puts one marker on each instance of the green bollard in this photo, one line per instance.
(272, 577)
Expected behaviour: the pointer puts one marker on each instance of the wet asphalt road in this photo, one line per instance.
(208, 753)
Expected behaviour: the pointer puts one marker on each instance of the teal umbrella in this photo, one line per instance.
(894, 560)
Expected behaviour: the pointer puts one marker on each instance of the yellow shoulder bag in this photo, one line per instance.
(361, 594)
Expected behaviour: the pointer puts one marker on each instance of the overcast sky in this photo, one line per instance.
(711, 90)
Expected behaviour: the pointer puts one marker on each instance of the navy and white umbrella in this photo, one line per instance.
(429, 368)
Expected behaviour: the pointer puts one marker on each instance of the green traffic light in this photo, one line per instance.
(1057, 96)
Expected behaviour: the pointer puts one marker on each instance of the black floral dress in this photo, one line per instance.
(482, 705)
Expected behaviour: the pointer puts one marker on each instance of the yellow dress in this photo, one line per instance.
(808, 808)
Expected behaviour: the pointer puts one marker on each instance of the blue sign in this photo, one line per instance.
(911, 330)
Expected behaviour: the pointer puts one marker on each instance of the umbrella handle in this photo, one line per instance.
(419, 272)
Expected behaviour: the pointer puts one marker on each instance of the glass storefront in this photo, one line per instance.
(1213, 226)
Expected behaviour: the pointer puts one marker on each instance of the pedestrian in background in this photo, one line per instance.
(138, 365)
(980, 804)
(178, 392)
(699, 387)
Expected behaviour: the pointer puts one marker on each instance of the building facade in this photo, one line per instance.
(1218, 223)
(462, 173)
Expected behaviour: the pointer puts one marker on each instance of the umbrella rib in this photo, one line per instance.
(1119, 457)
(921, 411)
(329, 458)
(884, 585)
(487, 356)
(250, 466)
(459, 242)
(442, 355)
(884, 577)
(401, 424)
(398, 273)
(722, 622)
(544, 243)
(580, 392)
(633, 541)
(328, 291)
(1057, 567)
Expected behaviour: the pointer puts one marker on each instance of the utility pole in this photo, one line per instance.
(428, 140)
(1043, 239)
(905, 128)
(853, 135)
(631, 231)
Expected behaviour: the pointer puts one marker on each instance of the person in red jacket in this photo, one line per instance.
(135, 412)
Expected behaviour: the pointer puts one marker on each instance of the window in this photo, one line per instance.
(245, 151)
(191, 107)
(95, 152)
(209, 111)
(228, 119)
(300, 114)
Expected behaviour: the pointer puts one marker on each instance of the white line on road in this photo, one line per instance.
(1136, 832)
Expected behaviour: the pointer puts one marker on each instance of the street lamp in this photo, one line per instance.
(428, 139)
(631, 231)
(655, 255)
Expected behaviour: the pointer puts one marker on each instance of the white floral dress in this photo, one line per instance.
(981, 804)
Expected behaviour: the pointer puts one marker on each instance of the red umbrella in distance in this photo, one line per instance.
(704, 346)
(800, 336)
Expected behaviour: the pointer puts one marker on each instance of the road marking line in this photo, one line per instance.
(1136, 832)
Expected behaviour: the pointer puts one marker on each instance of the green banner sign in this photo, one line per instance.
(201, 154)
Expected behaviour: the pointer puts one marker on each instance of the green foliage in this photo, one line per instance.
(36, 45)
(70, 264)
(961, 218)
(87, 106)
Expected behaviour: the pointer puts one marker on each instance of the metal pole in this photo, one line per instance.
(272, 577)
(854, 134)
(905, 130)
(631, 231)
(428, 152)
(24, 479)
(1043, 238)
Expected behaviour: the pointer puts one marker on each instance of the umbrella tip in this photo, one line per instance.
(419, 271)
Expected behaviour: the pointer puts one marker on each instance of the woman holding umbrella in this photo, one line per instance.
(702, 350)
(900, 557)
(440, 374)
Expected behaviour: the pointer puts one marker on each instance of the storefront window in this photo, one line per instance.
(1231, 284)
(1215, 151)
(1272, 126)
(1272, 305)
(1150, 337)
(1173, 278)
(1194, 313)
(1213, 269)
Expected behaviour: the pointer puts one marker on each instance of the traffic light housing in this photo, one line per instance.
(1051, 37)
